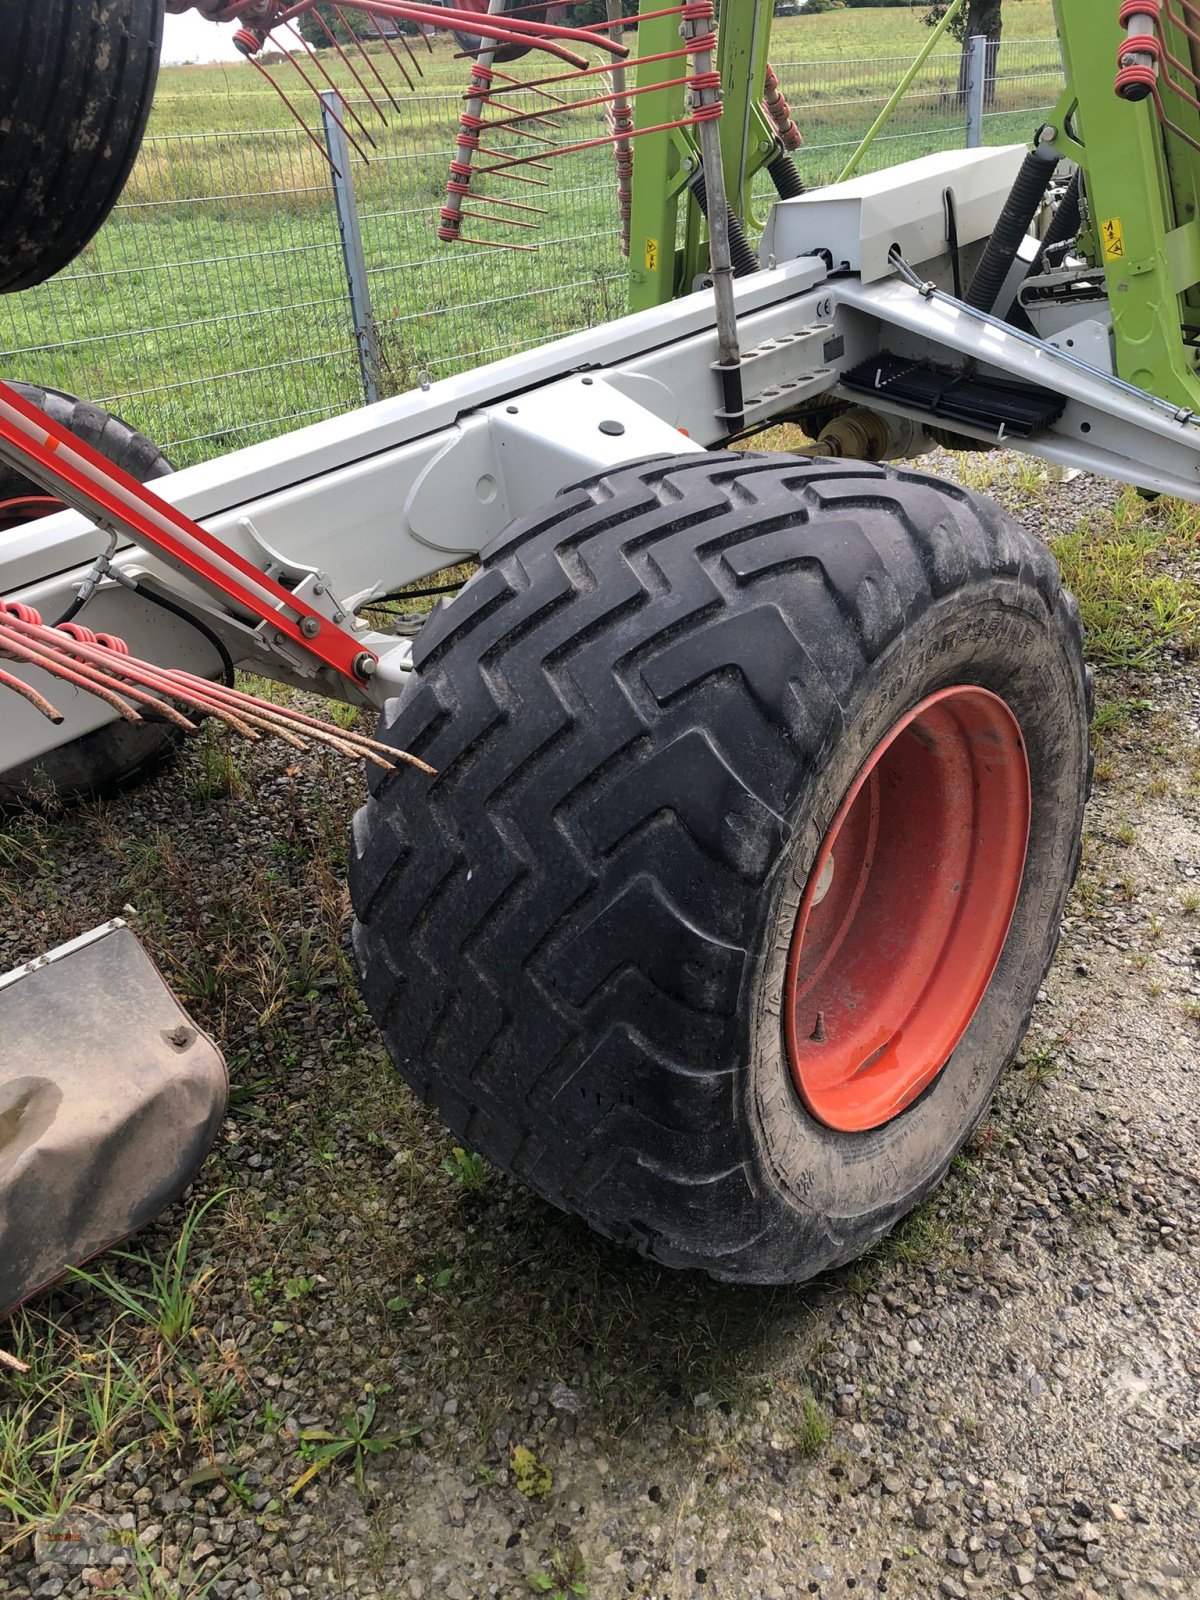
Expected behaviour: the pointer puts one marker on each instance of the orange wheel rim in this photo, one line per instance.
(906, 910)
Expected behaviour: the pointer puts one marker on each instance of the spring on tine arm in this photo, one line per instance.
(101, 665)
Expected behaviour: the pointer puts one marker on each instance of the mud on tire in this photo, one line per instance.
(76, 82)
(644, 709)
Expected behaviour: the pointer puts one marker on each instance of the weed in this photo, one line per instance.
(466, 1168)
(171, 1303)
(813, 1427)
(324, 1447)
(261, 1285)
(563, 1576)
(420, 1286)
(532, 1477)
(1042, 1063)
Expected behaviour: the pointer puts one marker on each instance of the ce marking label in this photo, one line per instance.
(825, 308)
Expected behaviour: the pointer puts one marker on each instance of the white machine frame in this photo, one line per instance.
(351, 509)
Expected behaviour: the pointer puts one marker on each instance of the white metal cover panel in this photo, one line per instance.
(858, 222)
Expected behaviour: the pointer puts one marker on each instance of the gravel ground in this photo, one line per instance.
(1003, 1401)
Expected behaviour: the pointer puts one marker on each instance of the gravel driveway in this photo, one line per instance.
(1004, 1400)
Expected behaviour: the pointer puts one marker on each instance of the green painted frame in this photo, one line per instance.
(1143, 182)
(1143, 188)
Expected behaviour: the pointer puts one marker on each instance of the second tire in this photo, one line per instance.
(119, 752)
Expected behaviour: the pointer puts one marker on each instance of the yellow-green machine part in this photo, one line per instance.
(1143, 191)
(1141, 179)
(668, 248)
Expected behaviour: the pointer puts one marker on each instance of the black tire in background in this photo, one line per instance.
(120, 752)
(644, 710)
(470, 43)
(76, 84)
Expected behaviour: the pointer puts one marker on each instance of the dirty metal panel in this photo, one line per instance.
(110, 1098)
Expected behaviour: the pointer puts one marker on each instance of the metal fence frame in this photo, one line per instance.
(238, 292)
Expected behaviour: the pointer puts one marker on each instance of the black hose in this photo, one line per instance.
(200, 627)
(789, 185)
(1064, 225)
(79, 602)
(71, 612)
(744, 259)
(1019, 211)
(951, 204)
(414, 594)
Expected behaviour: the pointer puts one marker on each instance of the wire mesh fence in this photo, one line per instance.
(836, 102)
(213, 311)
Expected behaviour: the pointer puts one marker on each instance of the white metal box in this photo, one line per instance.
(859, 221)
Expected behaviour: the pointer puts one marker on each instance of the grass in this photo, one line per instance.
(170, 1302)
(1119, 568)
(812, 1427)
(143, 1379)
(430, 1289)
(211, 309)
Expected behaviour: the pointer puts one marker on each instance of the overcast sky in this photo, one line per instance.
(190, 38)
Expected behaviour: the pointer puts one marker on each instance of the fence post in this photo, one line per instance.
(333, 113)
(976, 88)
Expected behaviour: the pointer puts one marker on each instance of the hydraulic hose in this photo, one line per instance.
(745, 261)
(789, 185)
(1019, 211)
(1065, 224)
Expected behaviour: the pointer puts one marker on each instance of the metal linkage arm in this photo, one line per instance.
(79, 476)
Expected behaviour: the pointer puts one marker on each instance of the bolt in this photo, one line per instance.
(310, 627)
(818, 1034)
(365, 665)
(318, 588)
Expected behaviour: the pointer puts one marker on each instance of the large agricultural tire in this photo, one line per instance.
(648, 710)
(470, 43)
(119, 753)
(76, 84)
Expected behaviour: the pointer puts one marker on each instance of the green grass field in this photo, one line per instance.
(211, 310)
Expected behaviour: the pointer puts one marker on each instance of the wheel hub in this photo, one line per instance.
(907, 908)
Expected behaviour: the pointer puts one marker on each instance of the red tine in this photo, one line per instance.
(320, 66)
(311, 136)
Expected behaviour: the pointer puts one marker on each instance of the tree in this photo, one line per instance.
(315, 35)
(980, 17)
